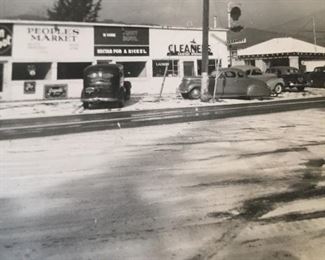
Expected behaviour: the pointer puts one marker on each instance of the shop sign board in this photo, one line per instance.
(191, 48)
(53, 42)
(121, 41)
(176, 43)
(5, 39)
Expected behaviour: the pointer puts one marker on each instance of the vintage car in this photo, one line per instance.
(231, 83)
(275, 83)
(293, 78)
(316, 78)
(104, 83)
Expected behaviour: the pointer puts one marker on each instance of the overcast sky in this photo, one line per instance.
(264, 14)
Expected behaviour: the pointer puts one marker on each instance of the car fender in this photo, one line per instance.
(255, 90)
(193, 86)
(275, 81)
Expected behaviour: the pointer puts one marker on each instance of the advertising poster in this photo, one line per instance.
(121, 41)
(5, 39)
(55, 91)
(29, 87)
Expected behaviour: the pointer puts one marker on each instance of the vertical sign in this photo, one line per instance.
(5, 39)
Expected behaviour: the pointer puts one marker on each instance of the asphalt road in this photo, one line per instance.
(34, 127)
(250, 187)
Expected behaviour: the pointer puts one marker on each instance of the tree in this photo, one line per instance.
(75, 10)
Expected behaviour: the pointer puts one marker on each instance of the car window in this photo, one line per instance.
(248, 72)
(230, 74)
(241, 74)
(292, 70)
(256, 72)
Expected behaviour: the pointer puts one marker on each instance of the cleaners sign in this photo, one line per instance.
(190, 49)
(5, 39)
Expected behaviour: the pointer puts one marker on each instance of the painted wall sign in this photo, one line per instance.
(121, 41)
(121, 51)
(190, 49)
(5, 39)
(121, 36)
(53, 42)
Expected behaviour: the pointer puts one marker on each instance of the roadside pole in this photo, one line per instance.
(205, 53)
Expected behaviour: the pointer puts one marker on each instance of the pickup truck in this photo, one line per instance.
(316, 78)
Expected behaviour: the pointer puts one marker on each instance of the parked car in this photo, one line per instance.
(231, 83)
(316, 78)
(275, 83)
(104, 83)
(293, 78)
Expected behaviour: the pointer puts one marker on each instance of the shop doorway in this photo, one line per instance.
(188, 67)
(1, 77)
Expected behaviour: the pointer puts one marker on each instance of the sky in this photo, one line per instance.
(262, 14)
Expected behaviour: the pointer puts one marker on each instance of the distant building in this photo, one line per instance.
(46, 59)
(283, 52)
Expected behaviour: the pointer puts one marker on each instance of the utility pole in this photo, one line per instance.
(205, 53)
(314, 33)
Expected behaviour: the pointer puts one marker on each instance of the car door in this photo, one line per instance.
(219, 84)
(235, 84)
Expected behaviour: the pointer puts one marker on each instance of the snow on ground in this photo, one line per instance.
(43, 108)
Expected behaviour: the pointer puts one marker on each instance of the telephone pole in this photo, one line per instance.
(205, 53)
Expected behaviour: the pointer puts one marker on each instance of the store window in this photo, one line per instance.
(134, 69)
(71, 70)
(212, 65)
(159, 67)
(31, 71)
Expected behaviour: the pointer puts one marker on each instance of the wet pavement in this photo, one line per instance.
(237, 188)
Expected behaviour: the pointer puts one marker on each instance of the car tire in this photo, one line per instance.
(278, 89)
(184, 95)
(195, 93)
(85, 105)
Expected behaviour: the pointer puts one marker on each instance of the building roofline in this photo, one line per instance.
(87, 24)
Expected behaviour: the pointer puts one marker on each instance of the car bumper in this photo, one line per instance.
(99, 99)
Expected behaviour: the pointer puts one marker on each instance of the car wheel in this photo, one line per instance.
(278, 89)
(184, 95)
(195, 93)
(85, 105)
(301, 88)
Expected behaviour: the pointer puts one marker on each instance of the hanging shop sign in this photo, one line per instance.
(5, 39)
(190, 49)
(53, 41)
(121, 41)
(55, 91)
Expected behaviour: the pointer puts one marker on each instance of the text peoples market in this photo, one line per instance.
(53, 34)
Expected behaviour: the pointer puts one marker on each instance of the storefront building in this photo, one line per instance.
(284, 51)
(45, 60)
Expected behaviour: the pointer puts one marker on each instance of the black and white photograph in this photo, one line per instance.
(162, 129)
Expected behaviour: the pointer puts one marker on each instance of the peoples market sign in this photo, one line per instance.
(53, 34)
(5, 39)
(190, 49)
(62, 42)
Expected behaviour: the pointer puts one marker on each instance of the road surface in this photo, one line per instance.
(239, 188)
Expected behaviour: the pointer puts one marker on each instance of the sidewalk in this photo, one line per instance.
(44, 108)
